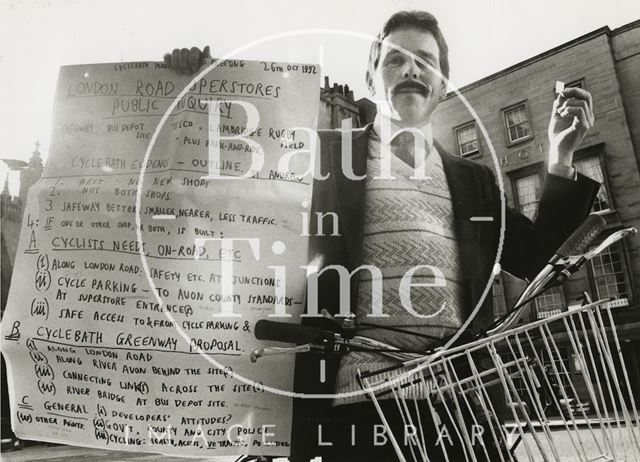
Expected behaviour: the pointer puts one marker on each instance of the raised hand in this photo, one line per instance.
(571, 119)
(187, 61)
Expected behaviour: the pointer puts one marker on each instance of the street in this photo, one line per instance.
(568, 450)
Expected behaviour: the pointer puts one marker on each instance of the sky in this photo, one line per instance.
(39, 36)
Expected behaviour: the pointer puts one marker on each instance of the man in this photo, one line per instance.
(397, 222)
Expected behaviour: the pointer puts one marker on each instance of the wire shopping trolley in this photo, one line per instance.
(550, 416)
(527, 366)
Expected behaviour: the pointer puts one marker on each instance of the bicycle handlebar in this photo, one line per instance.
(290, 333)
(582, 237)
(567, 260)
(319, 340)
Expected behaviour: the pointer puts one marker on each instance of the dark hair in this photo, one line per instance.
(418, 19)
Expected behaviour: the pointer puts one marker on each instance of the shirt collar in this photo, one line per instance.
(395, 129)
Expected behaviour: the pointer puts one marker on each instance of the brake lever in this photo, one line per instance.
(346, 327)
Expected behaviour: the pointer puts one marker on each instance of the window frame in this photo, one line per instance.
(473, 154)
(598, 152)
(529, 170)
(580, 83)
(531, 135)
(575, 83)
(624, 259)
(563, 303)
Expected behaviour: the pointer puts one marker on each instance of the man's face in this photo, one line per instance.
(410, 88)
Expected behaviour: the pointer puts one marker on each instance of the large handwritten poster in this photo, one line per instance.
(131, 312)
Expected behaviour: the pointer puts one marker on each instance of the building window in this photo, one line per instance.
(609, 275)
(517, 123)
(579, 83)
(549, 303)
(592, 167)
(528, 190)
(467, 138)
(575, 84)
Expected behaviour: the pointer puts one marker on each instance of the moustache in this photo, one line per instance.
(411, 86)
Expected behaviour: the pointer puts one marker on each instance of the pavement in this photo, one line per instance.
(575, 446)
(66, 453)
(581, 445)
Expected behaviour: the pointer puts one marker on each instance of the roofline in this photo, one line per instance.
(626, 27)
(589, 36)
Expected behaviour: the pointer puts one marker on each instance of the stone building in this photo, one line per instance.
(11, 209)
(337, 104)
(513, 107)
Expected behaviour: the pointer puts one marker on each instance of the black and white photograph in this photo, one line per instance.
(337, 231)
